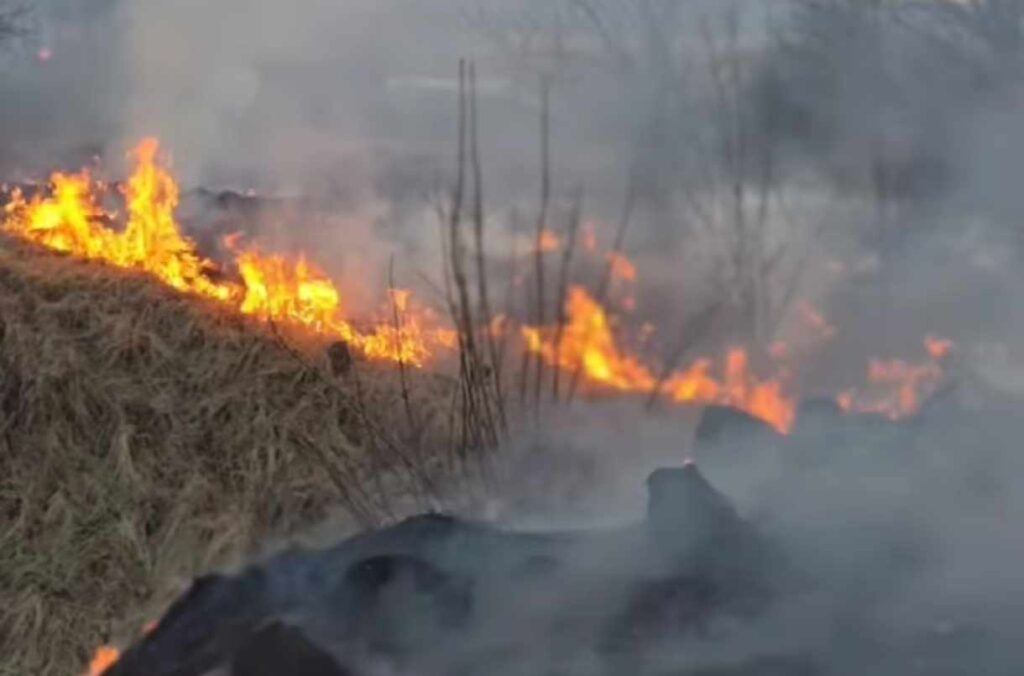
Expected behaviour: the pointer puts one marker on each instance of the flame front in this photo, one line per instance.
(276, 288)
(587, 343)
(271, 287)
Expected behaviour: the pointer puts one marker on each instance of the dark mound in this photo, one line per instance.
(458, 597)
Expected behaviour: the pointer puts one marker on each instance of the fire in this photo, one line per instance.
(740, 388)
(152, 241)
(896, 388)
(588, 236)
(938, 348)
(107, 656)
(622, 268)
(104, 658)
(271, 287)
(587, 343)
(71, 217)
(548, 241)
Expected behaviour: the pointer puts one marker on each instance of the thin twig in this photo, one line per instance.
(572, 229)
(399, 344)
(485, 313)
(542, 218)
(512, 256)
(477, 420)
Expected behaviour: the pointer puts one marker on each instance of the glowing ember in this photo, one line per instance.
(272, 288)
(104, 658)
(588, 344)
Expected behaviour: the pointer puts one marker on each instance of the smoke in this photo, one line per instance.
(900, 540)
(880, 142)
(882, 548)
(59, 74)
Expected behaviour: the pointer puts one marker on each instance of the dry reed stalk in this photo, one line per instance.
(397, 323)
(540, 311)
(485, 314)
(479, 426)
(565, 269)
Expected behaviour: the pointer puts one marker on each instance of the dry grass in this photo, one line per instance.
(145, 436)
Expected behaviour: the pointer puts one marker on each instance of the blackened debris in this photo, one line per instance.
(278, 649)
(436, 593)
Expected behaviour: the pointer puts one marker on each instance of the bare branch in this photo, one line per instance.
(563, 282)
(540, 310)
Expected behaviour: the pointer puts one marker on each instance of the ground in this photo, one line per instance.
(146, 436)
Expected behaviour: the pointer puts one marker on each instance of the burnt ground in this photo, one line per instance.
(440, 595)
(882, 548)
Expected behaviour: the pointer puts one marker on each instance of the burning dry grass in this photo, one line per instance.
(145, 436)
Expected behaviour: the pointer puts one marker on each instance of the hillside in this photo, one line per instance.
(146, 435)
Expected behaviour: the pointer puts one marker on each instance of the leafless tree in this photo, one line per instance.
(734, 195)
(689, 73)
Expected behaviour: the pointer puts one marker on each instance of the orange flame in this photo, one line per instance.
(938, 348)
(548, 241)
(896, 389)
(104, 658)
(621, 267)
(587, 342)
(741, 389)
(272, 288)
(107, 656)
(276, 288)
(588, 236)
(589, 345)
